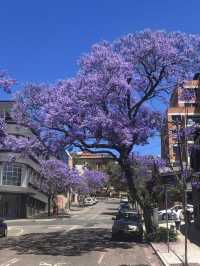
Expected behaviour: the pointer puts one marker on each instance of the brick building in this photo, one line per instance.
(181, 111)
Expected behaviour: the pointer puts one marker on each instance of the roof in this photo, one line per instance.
(87, 155)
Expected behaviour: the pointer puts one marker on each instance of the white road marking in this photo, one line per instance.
(44, 220)
(101, 258)
(43, 263)
(20, 232)
(9, 262)
(94, 216)
(73, 227)
(54, 227)
(14, 227)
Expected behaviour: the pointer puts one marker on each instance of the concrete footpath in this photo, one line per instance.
(176, 253)
(44, 216)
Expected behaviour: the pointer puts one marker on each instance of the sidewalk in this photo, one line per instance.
(75, 209)
(177, 249)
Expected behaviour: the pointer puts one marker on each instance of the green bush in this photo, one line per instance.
(160, 235)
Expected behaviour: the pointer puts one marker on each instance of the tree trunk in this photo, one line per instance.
(49, 205)
(69, 202)
(147, 214)
(146, 207)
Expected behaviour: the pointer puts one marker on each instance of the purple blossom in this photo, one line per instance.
(58, 178)
(6, 83)
(104, 107)
(94, 180)
(196, 184)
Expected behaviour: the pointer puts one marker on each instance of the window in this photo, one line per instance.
(176, 152)
(12, 175)
(176, 118)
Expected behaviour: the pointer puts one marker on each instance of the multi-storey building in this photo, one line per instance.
(19, 195)
(183, 112)
(195, 165)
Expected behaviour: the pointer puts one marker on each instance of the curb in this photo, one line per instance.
(164, 260)
(45, 219)
(159, 255)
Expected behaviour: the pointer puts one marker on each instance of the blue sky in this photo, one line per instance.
(42, 40)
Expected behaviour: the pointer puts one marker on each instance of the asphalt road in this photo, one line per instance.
(82, 240)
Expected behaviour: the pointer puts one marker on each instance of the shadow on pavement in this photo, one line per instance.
(109, 213)
(193, 233)
(135, 265)
(72, 243)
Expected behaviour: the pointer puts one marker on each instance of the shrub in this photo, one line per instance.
(160, 235)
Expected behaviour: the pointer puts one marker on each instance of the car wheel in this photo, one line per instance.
(114, 237)
(5, 233)
(165, 215)
(140, 238)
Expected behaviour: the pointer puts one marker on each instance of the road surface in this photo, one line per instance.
(82, 240)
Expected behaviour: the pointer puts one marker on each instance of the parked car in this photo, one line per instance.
(94, 200)
(162, 214)
(88, 201)
(124, 200)
(3, 228)
(123, 207)
(127, 224)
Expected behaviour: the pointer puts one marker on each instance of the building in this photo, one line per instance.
(183, 112)
(19, 195)
(195, 165)
(97, 161)
(92, 161)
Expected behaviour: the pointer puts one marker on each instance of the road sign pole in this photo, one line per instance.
(167, 224)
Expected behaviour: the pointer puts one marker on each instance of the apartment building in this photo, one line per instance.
(19, 195)
(183, 112)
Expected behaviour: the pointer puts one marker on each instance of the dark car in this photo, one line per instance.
(3, 228)
(124, 207)
(128, 224)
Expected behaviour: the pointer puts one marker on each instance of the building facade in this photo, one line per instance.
(90, 160)
(19, 193)
(195, 165)
(183, 112)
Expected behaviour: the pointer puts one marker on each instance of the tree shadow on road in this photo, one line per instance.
(109, 213)
(72, 243)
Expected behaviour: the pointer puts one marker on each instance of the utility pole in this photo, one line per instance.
(166, 207)
(185, 176)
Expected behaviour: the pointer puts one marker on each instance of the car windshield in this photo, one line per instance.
(129, 216)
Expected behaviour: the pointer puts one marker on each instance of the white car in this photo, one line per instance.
(162, 214)
(88, 201)
(95, 200)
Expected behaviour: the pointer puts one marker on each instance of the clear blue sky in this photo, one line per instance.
(41, 40)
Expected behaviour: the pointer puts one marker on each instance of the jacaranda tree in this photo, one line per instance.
(6, 83)
(104, 107)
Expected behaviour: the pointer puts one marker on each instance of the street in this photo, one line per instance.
(84, 239)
